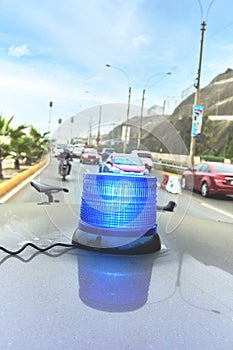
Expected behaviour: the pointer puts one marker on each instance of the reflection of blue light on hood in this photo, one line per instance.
(118, 203)
(114, 284)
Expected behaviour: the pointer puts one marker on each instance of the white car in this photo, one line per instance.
(145, 157)
(59, 149)
(77, 150)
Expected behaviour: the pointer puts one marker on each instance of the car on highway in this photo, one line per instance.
(209, 178)
(146, 158)
(59, 148)
(123, 163)
(105, 153)
(89, 156)
(76, 151)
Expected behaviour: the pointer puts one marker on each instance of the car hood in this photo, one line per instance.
(72, 298)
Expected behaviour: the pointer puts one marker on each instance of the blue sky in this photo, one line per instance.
(57, 50)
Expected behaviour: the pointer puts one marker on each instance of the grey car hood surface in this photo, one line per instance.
(75, 299)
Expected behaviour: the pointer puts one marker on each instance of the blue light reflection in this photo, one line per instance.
(114, 283)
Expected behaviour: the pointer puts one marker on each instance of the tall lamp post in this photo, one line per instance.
(128, 105)
(197, 92)
(197, 81)
(100, 116)
(142, 106)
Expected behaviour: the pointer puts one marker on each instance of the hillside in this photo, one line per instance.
(216, 137)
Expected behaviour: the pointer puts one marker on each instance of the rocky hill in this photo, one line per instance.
(159, 132)
(216, 97)
(217, 136)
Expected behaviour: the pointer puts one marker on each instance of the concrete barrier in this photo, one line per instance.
(171, 183)
(8, 185)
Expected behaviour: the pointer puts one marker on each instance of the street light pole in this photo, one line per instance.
(99, 123)
(100, 117)
(141, 117)
(128, 106)
(197, 92)
(127, 121)
(142, 107)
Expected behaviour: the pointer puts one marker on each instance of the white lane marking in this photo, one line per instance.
(218, 210)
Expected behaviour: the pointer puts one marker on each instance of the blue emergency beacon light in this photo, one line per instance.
(118, 214)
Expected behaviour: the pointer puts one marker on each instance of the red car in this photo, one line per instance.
(89, 156)
(209, 178)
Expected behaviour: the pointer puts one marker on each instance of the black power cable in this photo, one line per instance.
(143, 245)
(138, 247)
(16, 252)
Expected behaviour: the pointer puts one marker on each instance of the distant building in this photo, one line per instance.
(167, 109)
(155, 110)
(187, 92)
(169, 105)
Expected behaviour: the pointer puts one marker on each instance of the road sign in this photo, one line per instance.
(197, 120)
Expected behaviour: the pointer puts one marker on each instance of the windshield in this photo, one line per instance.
(223, 168)
(127, 161)
(109, 249)
(90, 151)
(144, 155)
(61, 146)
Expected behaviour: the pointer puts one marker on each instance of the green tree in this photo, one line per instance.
(5, 131)
(205, 144)
(37, 145)
(17, 144)
(18, 149)
(228, 150)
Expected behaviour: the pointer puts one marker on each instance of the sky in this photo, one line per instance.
(57, 51)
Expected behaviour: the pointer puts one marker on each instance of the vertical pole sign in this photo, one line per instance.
(197, 120)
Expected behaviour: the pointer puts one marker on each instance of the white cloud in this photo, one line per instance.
(19, 51)
(141, 39)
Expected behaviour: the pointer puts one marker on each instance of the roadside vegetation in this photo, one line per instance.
(24, 144)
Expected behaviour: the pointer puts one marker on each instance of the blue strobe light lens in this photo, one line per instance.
(118, 205)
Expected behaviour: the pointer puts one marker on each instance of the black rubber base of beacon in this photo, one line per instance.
(143, 245)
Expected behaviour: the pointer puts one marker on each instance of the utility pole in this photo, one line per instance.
(127, 131)
(100, 118)
(127, 122)
(197, 92)
(142, 106)
(141, 116)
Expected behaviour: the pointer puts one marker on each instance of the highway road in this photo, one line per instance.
(192, 213)
(217, 207)
(187, 286)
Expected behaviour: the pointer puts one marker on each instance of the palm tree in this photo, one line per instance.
(18, 149)
(37, 145)
(7, 134)
(18, 145)
(5, 130)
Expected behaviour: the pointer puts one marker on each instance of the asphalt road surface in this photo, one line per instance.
(219, 208)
